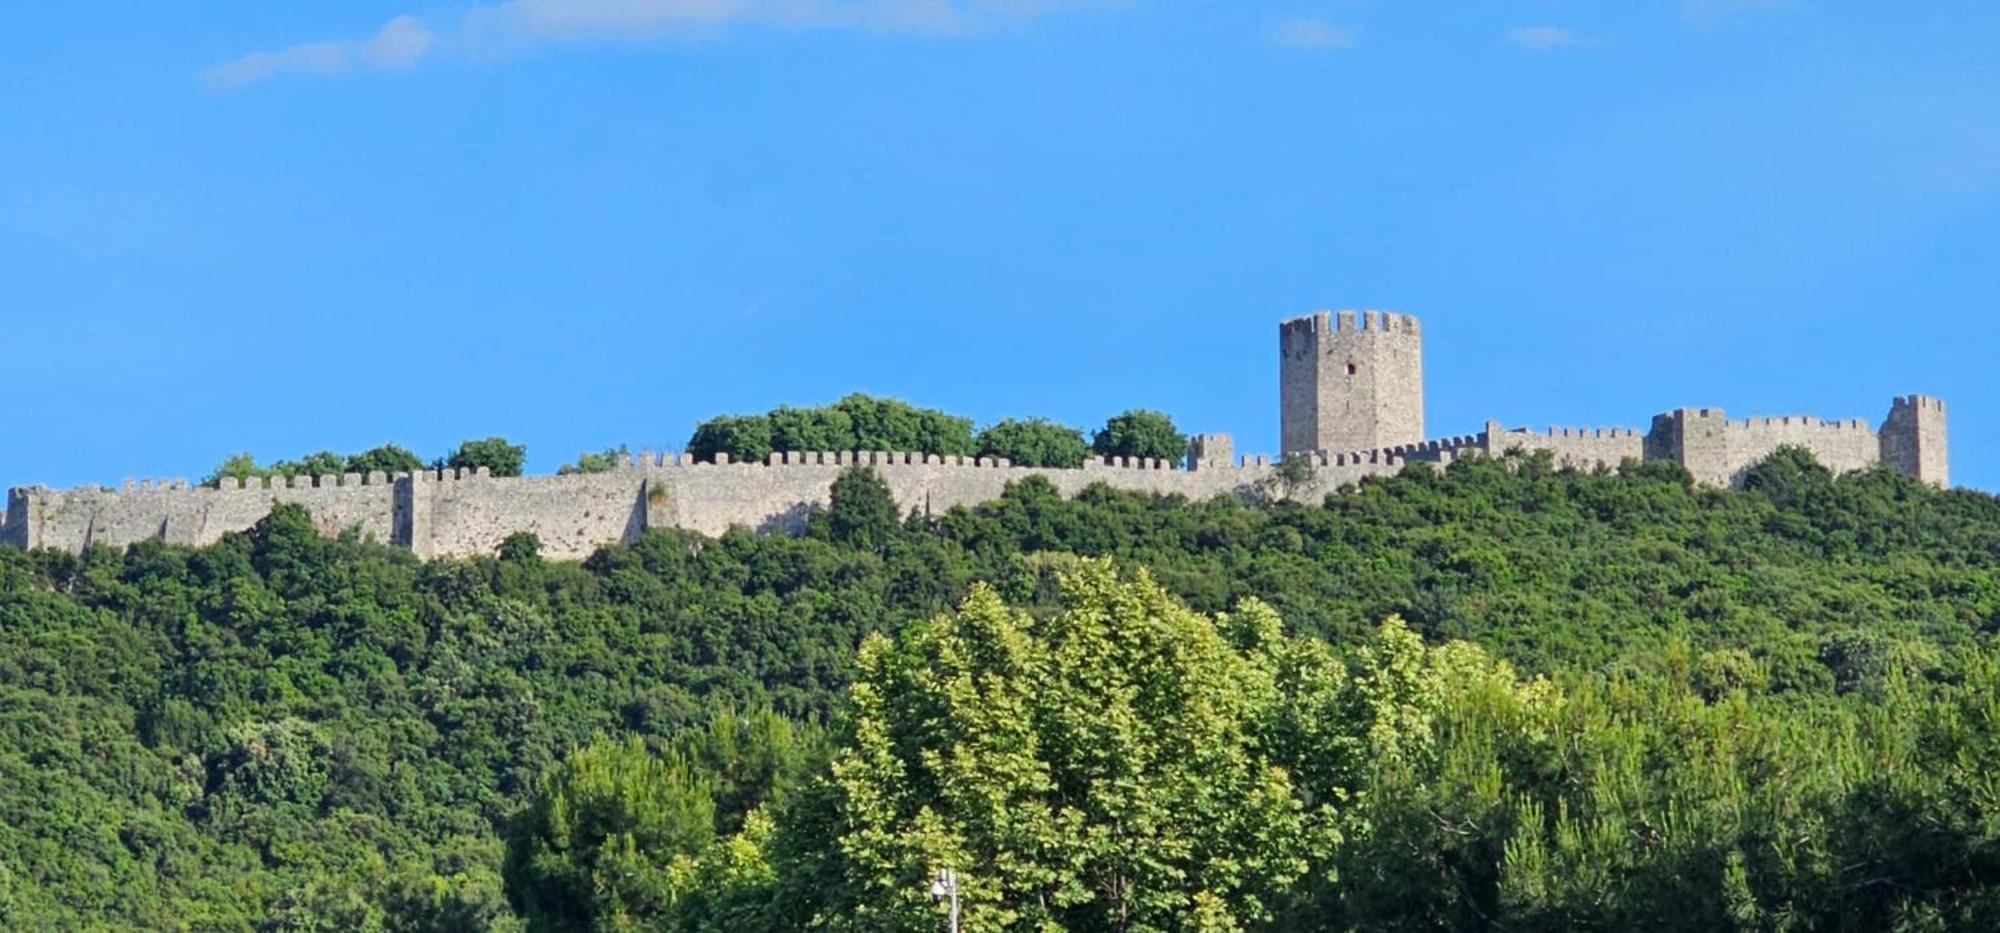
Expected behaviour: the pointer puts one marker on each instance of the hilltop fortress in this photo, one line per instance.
(1351, 402)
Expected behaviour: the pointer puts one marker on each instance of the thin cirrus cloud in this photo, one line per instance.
(401, 43)
(522, 24)
(1546, 38)
(1311, 35)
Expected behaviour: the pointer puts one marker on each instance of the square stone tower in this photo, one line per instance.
(1350, 382)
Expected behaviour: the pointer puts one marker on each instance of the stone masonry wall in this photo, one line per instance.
(459, 514)
(1841, 446)
(1299, 358)
(1578, 448)
(466, 513)
(572, 515)
(21, 514)
(711, 498)
(1914, 440)
(171, 511)
(1719, 451)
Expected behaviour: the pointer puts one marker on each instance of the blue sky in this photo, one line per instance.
(288, 227)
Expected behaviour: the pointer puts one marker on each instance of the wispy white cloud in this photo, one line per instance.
(1315, 34)
(401, 43)
(515, 25)
(1546, 38)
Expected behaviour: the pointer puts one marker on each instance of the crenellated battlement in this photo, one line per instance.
(1428, 449)
(1350, 322)
(1800, 422)
(1576, 433)
(467, 512)
(1309, 325)
(1351, 404)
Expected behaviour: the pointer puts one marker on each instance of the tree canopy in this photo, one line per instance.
(603, 461)
(1141, 433)
(388, 459)
(1105, 769)
(493, 453)
(1615, 700)
(1034, 442)
(857, 422)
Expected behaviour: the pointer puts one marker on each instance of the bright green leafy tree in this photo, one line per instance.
(1103, 769)
(603, 845)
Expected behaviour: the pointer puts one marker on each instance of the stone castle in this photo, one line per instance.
(1351, 392)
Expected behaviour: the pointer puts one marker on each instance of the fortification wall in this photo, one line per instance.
(15, 522)
(1716, 450)
(1299, 356)
(572, 515)
(1211, 452)
(1576, 448)
(171, 511)
(1719, 451)
(1840, 446)
(458, 514)
(1915, 439)
(779, 497)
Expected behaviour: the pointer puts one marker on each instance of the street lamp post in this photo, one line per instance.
(945, 887)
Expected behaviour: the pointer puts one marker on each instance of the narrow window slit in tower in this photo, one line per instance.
(1353, 369)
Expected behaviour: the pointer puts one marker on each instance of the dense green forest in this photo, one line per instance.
(1497, 696)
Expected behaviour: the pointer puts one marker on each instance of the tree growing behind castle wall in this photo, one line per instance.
(1143, 433)
(493, 453)
(388, 458)
(603, 461)
(745, 438)
(857, 422)
(1034, 442)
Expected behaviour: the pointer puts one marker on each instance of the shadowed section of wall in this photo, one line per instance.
(1915, 441)
(171, 511)
(19, 518)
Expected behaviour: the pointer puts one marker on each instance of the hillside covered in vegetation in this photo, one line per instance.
(1498, 696)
